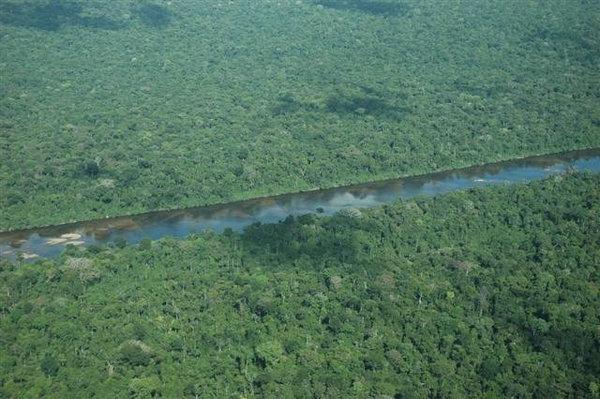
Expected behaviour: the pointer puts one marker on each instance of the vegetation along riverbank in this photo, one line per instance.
(120, 107)
(491, 292)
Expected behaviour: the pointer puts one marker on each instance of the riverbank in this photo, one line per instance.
(130, 117)
(489, 292)
(237, 215)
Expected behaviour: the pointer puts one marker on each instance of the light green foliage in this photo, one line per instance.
(269, 353)
(113, 107)
(485, 293)
(146, 387)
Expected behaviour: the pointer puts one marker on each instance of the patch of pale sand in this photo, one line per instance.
(55, 241)
(71, 236)
(75, 243)
(30, 256)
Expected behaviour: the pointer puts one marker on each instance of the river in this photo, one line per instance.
(34, 243)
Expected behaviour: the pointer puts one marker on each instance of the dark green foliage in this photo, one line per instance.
(144, 163)
(49, 365)
(52, 15)
(375, 7)
(139, 331)
(187, 103)
(13, 198)
(91, 168)
(287, 105)
(486, 293)
(134, 354)
(192, 391)
(94, 249)
(120, 242)
(154, 15)
(363, 105)
(21, 310)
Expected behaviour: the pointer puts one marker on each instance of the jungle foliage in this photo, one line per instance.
(122, 106)
(490, 293)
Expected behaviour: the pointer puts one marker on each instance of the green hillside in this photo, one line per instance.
(115, 107)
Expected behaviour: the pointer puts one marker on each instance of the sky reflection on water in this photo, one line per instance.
(51, 241)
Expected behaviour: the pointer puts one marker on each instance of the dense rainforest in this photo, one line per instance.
(122, 106)
(491, 292)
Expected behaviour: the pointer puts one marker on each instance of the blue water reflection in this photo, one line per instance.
(50, 242)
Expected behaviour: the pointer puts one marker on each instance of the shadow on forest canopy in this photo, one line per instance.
(363, 105)
(373, 7)
(52, 16)
(291, 239)
(153, 15)
(361, 100)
